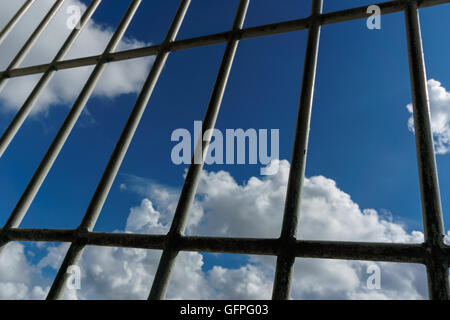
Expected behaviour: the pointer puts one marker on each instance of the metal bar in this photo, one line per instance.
(437, 268)
(410, 253)
(117, 157)
(44, 235)
(389, 252)
(286, 259)
(248, 33)
(31, 41)
(178, 225)
(10, 25)
(25, 110)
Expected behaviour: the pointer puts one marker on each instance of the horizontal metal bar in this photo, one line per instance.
(286, 260)
(179, 221)
(367, 251)
(218, 38)
(39, 235)
(389, 252)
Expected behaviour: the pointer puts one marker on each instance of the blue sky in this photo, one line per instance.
(359, 129)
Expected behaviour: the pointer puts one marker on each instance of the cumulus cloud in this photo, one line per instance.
(440, 116)
(119, 78)
(224, 207)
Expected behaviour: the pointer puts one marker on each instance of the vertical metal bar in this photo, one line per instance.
(178, 225)
(124, 141)
(437, 268)
(10, 25)
(31, 40)
(57, 144)
(25, 110)
(96, 204)
(286, 258)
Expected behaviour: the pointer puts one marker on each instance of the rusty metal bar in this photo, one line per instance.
(178, 225)
(286, 259)
(437, 266)
(368, 251)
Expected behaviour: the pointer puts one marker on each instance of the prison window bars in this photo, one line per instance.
(433, 253)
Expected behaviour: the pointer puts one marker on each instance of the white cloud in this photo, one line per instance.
(247, 282)
(225, 208)
(18, 278)
(119, 78)
(440, 116)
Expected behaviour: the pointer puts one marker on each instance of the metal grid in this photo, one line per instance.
(433, 253)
